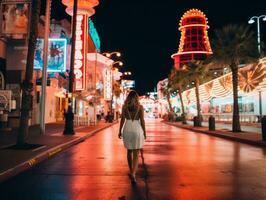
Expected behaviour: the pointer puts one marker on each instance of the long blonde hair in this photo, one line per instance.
(132, 101)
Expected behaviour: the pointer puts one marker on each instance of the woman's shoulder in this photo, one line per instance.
(124, 107)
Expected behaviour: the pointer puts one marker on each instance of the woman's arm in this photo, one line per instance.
(142, 122)
(121, 122)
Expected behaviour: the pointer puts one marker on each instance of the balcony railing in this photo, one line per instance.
(82, 121)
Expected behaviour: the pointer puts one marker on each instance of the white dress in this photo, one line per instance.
(132, 133)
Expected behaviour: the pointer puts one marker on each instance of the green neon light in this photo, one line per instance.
(94, 35)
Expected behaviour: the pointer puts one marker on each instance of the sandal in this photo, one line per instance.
(133, 179)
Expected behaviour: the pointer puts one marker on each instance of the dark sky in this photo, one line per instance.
(146, 31)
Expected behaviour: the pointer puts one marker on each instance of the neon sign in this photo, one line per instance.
(80, 50)
(107, 84)
(194, 42)
(57, 55)
(128, 83)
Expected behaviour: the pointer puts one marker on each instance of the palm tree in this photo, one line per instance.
(178, 80)
(166, 91)
(234, 44)
(27, 85)
(197, 72)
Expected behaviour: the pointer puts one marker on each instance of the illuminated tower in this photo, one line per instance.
(194, 42)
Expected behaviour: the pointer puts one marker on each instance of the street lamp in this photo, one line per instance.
(120, 63)
(107, 54)
(127, 73)
(251, 21)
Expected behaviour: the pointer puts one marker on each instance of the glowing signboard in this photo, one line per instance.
(128, 83)
(56, 55)
(107, 84)
(80, 50)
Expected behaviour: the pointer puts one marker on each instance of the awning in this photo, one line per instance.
(102, 61)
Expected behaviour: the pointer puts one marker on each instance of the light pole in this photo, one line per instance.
(45, 64)
(251, 21)
(69, 117)
(260, 105)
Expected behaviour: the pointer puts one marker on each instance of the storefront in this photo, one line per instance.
(55, 102)
(56, 82)
(100, 83)
(217, 98)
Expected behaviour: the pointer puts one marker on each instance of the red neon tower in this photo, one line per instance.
(194, 42)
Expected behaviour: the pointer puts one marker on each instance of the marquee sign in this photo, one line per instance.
(128, 83)
(108, 84)
(80, 52)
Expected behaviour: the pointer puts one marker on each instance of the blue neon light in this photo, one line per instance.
(56, 55)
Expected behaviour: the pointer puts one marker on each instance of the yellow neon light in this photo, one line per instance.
(191, 25)
(191, 52)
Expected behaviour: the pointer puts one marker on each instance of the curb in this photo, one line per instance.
(221, 135)
(47, 154)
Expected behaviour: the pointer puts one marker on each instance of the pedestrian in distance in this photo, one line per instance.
(64, 113)
(132, 130)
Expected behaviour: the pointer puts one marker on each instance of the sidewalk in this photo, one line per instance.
(244, 137)
(246, 127)
(10, 137)
(13, 162)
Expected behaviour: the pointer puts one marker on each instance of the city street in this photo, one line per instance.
(176, 164)
(71, 69)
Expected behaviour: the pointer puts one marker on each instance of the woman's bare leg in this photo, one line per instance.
(129, 161)
(135, 161)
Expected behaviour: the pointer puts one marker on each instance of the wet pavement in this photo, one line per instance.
(176, 164)
(14, 161)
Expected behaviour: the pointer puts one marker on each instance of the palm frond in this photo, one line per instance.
(234, 44)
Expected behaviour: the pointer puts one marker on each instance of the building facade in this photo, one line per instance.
(217, 99)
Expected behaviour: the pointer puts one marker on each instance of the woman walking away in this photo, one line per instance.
(132, 129)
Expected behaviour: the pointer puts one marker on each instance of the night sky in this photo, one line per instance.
(146, 31)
